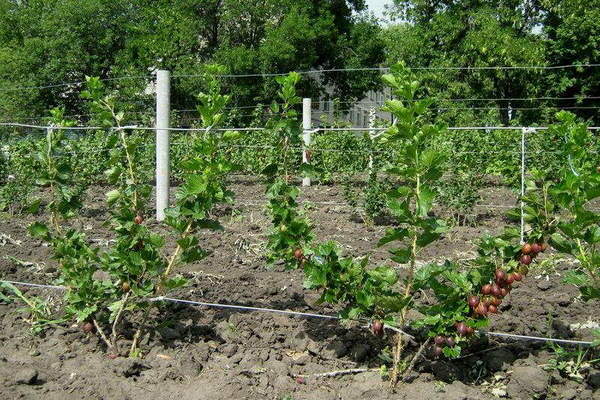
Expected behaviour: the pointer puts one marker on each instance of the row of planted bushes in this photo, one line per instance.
(333, 152)
(464, 293)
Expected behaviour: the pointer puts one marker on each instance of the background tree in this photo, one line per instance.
(50, 41)
(475, 33)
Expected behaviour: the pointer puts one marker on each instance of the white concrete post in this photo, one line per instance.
(372, 134)
(306, 136)
(163, 105)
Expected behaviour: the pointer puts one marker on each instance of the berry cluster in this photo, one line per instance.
(493, 293)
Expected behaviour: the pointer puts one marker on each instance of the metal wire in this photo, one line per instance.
(308, 315)
(310, 72)
(385, 69)
(71, 83)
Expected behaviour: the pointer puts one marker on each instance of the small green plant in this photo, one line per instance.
(375, 197)
(291, 231)
(344, 280)
(39, 315)
(572, 364)
(416, 165)
(204, 175)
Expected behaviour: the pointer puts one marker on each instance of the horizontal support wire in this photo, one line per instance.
(55, 85)
(310, 72)
(308, 315)
(323, 129)
(315, 150)
(385, 69)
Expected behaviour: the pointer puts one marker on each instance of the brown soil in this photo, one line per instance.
(208, 353)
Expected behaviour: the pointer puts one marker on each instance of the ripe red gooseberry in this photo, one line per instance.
(481, 309)
(486, 289)
(517, 276)
(439, 340)
(298, 254)
(525, 259)
(496, 290)
(87, 327)
(377, 328)
(473, 301)
(500, 275)
(462, 329)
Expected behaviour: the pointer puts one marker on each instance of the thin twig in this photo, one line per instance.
(134, 343)
(173, 258)
(102, 335)
(116, 322)
(337, 373)
(392, 328)
(415, 359)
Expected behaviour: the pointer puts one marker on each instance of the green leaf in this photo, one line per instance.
(393, 234)
(385, 274)
(231, 135)
(425, 200)
(114, 309)
(309, 171)
(34, 206)
(270, 170)
(175, 282)
(213, 225)
(577, 278)
(113, 196)
(400, 210)
(452, 352)
(39, 230)
(193, 254)
(562, 244)
(401, 256)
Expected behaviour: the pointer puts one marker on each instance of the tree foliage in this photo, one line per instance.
(48, 41)
(471, 33)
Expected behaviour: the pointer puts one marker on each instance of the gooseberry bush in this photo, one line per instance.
(104, 285)
(291, 231)
(578, 232)
(373, 292)
(462, 296)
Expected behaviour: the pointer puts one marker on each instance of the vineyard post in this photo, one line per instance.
(306, 134)
(163, 89)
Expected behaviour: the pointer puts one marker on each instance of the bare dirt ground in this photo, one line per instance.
(208, 353)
